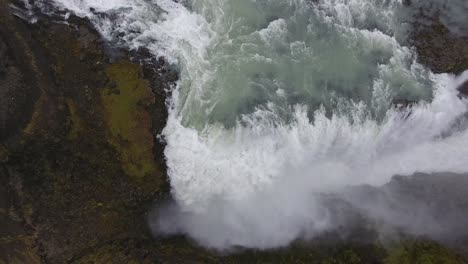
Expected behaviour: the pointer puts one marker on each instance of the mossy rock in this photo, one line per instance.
(18, 250)
(422, 252)
(126, 101)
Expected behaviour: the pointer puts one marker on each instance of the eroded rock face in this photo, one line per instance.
(78, 163)
(3, 57)
(16, 96)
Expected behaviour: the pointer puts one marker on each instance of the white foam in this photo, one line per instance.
(254, 185)
(238, 162)
(82, 7)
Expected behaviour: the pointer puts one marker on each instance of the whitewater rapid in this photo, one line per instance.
(282, 100)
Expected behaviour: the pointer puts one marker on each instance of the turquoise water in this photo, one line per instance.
(265, 54)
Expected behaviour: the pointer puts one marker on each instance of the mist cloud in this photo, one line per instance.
(432, 205)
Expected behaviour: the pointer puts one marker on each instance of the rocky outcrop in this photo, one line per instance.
(79, 163)
(438, 48)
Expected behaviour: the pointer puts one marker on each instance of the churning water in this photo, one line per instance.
(281, 100)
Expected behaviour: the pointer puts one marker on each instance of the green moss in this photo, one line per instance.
(4, 154)
(36, 119)
(107, 255)
(128, 121)
(422, 252)
(20, 249)
(313, 254)
(77, 124)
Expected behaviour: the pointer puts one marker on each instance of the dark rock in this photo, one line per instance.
(463, 88)
(438, 48)
(3, 57)
(407, 2)
(18, 87)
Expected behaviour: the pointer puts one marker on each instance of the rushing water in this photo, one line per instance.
(279, 100)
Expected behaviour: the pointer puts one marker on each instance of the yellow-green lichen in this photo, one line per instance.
(108, 254)
(4, 154)
(422, 252)
(19, 249)
(128, 121)
(36, 118)
(75, 121)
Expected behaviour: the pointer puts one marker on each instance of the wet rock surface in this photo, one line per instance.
(441, 50)
(464, 88)
(80, 165)
(438, 48)
(420, 204)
